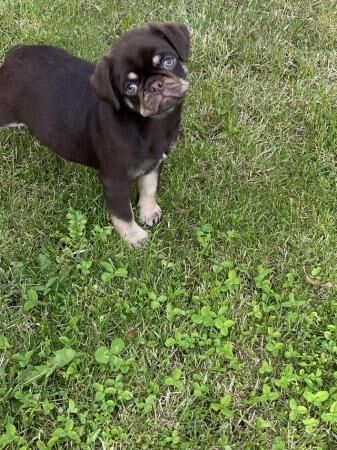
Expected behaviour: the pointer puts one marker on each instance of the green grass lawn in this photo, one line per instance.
(221, 333)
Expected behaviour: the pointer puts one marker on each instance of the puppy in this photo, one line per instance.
(120, 117)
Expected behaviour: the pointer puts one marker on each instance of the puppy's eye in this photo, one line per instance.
(168, 62)
(131, 88)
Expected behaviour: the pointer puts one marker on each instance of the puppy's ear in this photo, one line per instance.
(101, 82)
(176, 34)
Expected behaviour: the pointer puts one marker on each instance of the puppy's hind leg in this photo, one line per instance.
(7, 119)
(7, 116)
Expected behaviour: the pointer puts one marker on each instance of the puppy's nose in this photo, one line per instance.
(156, 86)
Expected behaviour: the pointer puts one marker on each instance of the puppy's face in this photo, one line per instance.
(144, 70)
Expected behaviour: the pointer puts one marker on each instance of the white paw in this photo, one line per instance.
(150, 214)
(131, 232)
(136, 236)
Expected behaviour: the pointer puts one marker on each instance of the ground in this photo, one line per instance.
(221, 333)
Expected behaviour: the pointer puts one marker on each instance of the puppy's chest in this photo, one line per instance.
(147, 163)
(148, 157)
(144, 168)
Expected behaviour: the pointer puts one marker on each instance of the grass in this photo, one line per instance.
(221, 333)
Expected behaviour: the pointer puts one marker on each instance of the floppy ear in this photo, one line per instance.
(101, 82)
(176, 34)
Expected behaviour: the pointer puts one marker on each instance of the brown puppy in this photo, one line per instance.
(120, 117)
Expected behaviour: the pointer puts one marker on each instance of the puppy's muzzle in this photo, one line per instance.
(162, 94)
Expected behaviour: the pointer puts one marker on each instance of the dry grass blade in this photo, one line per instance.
(317, 283)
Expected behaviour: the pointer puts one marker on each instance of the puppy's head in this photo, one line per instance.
(144, 70)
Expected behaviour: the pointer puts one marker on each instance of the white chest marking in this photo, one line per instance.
(13, 125)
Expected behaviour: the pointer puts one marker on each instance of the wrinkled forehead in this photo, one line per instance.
(137, 52)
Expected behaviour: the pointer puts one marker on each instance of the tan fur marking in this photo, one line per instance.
(149, 210)
(132, 76)
(156, 60)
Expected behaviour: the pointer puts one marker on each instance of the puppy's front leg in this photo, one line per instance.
(117, 195)
(149, 210)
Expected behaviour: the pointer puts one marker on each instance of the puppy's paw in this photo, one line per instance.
(150, 214)
(137, 236)
(131, 232)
